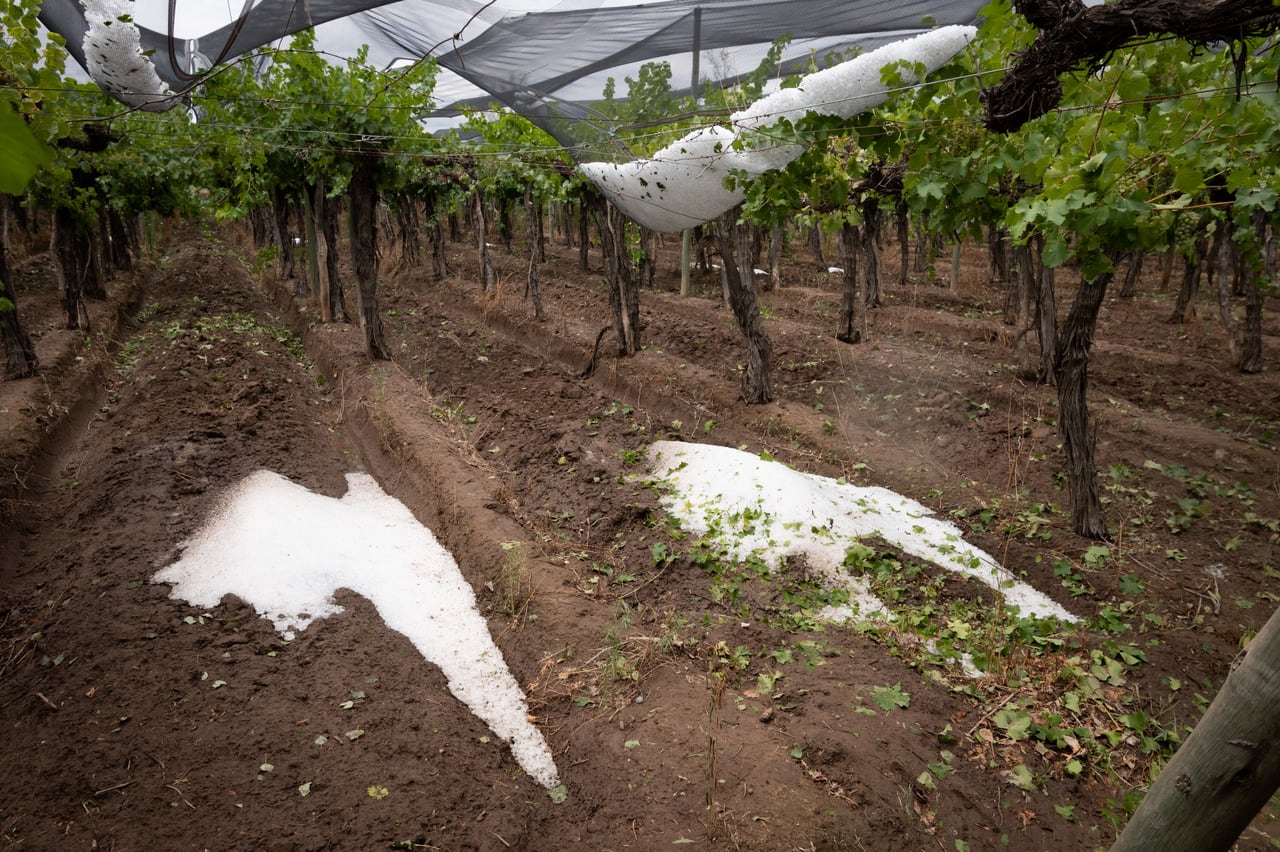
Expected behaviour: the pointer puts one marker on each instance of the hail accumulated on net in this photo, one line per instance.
(683, 184)
(116, 62)
(285, 550)
(749, 505)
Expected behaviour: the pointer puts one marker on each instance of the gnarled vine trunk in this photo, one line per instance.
(1079, 435)
(439, 259)
(281, 211)
(71, 253)
(1021, 296)
(624, 291)
(410, 244)
(1046, 321)
(870, 251)
(534, 239)
(776, 239)
(648, 261)
(815, 247)
(334, 304)
(584, 238)
(852, 323)
(735, 252)
(1131, 274)
(1184, 309)
(904, 240)
(19, 355)
(363, 222)
(479, 222)
(998, 250)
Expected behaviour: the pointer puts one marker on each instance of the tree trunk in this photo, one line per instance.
(531, 231)
(1211, 257)
(1251, 335)
(998, 249)
(505, 222)
(775, 256)
(488, 275)
(1046, 319)
(1223, 263)
(852, 323)
(334, 303)
(318, 237)
(363, 222)
(540, 231)
(584, 238)
(700, 249)
(103, 242)
(96, 274)
(1227, 769)
(1184, 309)
(280, 209)
(1166, 268)
(1023, 296)
(870, 253)
(922, 258)
(1130, 287)
(121, 253)
(20, 356)
(72, 262)
(686, 245)
(815, 246)
(735, 252)
(410, 245)
(648, 270)
(1079, 436)
(439, 260)
(258, 225)
(904, 241)
(1254, 268)
(624, 294)
(315, 283)
(567, 225)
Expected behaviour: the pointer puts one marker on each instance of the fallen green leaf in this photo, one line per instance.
(1020, 777)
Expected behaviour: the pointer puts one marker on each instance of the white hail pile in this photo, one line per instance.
(285, 550)
(683, 184)
(113, 52)
(765, 507)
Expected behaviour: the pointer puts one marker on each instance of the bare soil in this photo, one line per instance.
(135, 721)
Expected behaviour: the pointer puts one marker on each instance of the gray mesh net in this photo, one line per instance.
(550, 65)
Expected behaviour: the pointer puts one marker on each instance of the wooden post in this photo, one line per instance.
(1226, 770)
(686, 238)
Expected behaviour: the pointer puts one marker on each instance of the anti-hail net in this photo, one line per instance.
(547, 66)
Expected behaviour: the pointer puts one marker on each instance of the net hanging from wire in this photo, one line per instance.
(549, 66)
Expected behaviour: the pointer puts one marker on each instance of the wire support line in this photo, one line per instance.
(273, 102)
(797, 137)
